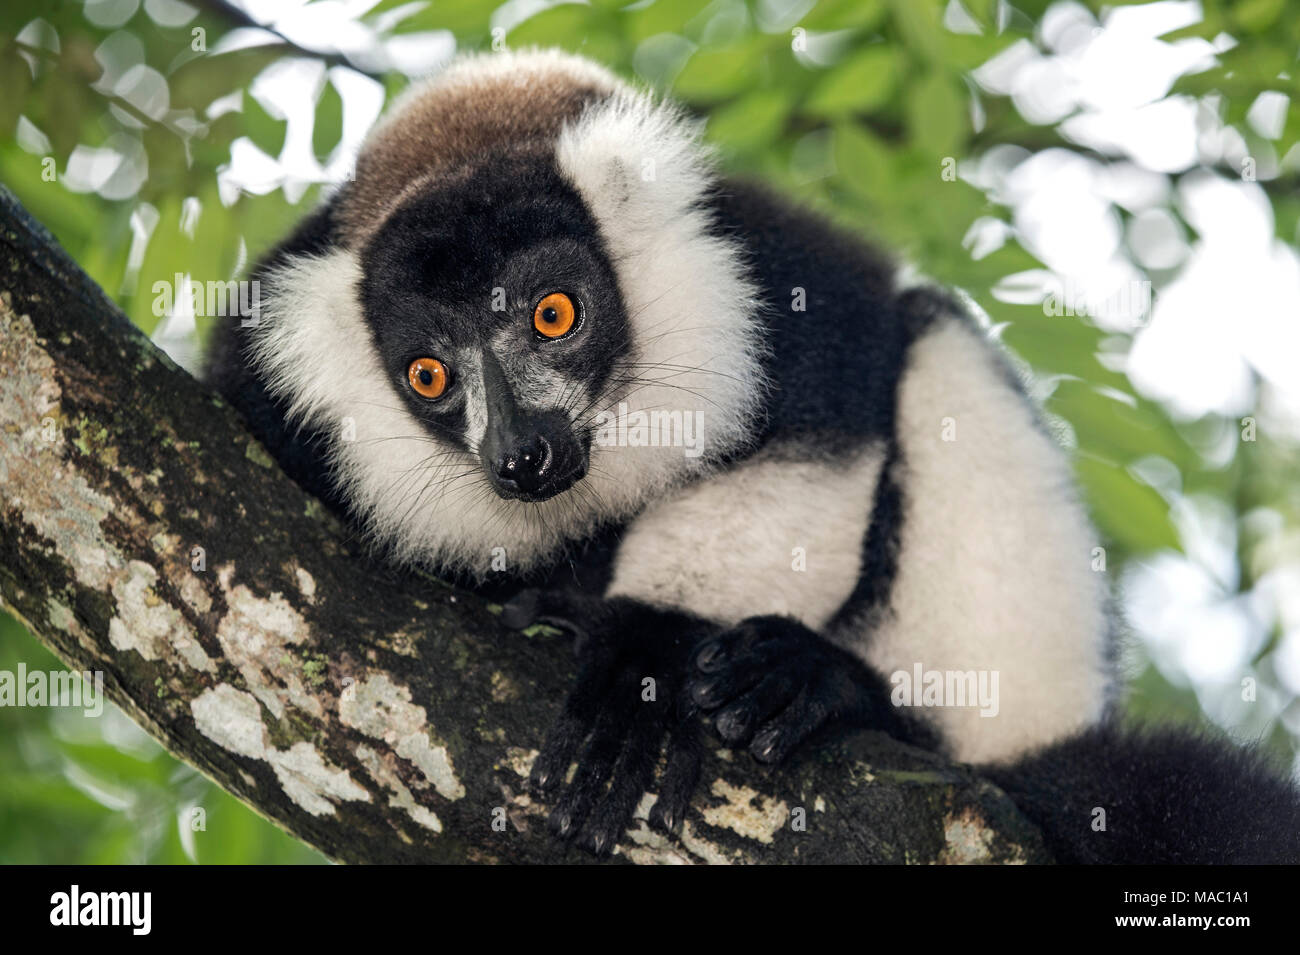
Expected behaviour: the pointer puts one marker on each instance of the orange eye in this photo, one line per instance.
(428, 377)
(554, 315)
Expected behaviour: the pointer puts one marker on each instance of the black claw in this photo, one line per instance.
(562, 823)
(709, 694)
(733, 724)
(765, 746)
(679, 779)
(661, 818)
(598, 841)
(710, 656)
(542, 780)
(521, 610)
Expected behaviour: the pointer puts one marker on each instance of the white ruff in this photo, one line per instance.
(994, 568)
(691, 309)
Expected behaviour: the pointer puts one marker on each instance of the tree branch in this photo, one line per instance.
(238, 17)
(376, 716)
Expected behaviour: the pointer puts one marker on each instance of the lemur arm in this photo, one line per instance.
(630, 693)
(646, 672)
(770, 683)
(711, 608)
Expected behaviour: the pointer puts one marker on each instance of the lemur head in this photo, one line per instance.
(496, 311)
(524, 295)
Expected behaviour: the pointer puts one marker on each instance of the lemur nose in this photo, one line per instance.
(526, 465)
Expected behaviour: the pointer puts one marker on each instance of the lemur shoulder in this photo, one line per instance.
(534, 256)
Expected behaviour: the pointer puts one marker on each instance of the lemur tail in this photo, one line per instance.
(1173, 796)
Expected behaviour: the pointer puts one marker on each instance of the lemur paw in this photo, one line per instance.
(769, 683)
(629, 696)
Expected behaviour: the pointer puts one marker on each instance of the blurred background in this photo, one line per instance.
(1115, 187)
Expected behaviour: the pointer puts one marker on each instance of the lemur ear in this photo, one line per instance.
(636, 162)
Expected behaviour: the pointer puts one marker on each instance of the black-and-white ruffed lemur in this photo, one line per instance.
(844, 480)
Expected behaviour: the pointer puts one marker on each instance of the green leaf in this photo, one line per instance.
(936, 114)
(844, 14)
(753, 121)
(716, 74)
(1127, 512)
(863, 162)
(1257, 16)
(661, 16)
(1114, 429)
(858, 85)
(920, 28)
(16, 81)
(1058, 344)
(266, 132)
(565, 25)
(328, 127)
(462, 17)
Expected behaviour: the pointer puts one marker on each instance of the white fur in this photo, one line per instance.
(642, 171)
(726, 548)
(470, 380)
(994, 568)
(688, 301)
(330, 371)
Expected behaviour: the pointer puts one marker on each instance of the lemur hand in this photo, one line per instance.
(770, 682)
(630, 693)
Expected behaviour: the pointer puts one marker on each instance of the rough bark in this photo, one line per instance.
(379, 717)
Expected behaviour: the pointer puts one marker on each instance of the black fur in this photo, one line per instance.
(299, 450)
(880, 548)
(834, 367)
(1170, 795)
(630, 697)
(770, 683)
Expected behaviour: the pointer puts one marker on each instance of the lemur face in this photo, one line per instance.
(498, 319)
(522, 291)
